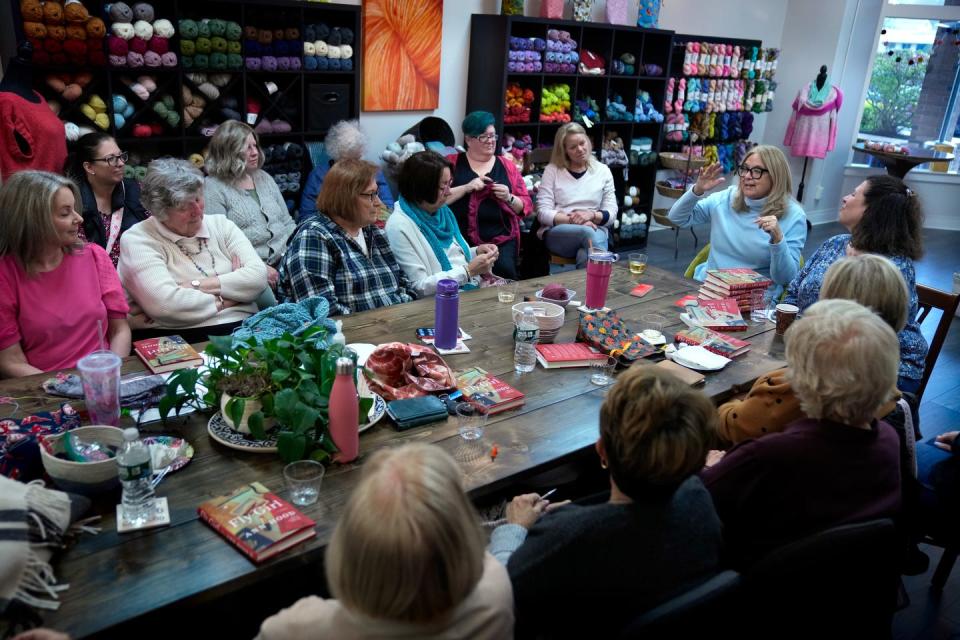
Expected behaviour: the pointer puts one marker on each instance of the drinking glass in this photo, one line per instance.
(601, 370)
(651, 326)
(100, 372)
(507, 290)
(638, 263)
(471, 421)
(762, 301)
(303, 479)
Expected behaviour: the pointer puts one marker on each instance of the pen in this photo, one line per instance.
(500, 521)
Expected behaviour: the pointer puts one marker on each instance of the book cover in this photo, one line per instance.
(487, 391)
(719, 315)
(641, 290)
(718, 343)
(685, 300)
(167, 353)
(739, 278)
(567, 354)
(259, 523)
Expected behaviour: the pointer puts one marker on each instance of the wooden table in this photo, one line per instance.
(899, 164)
(119, 578)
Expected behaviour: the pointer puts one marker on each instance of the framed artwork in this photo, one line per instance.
(401, 54)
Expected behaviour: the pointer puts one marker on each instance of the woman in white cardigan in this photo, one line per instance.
(238, 188)
(576, 203)
(423, 231)
(182, 270)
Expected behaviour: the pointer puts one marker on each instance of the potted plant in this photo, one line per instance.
(289, 377)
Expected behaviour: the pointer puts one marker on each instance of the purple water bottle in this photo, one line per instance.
(446, 324)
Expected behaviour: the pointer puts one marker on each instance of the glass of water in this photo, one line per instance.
(303, 479)
(507, 290)
(471, 421)
(601, 370)
(762, 303)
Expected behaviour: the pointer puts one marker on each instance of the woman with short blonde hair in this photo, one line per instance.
(874, 282)
(755, 224)
(340, 253)
(59, 297)
(240, 189)
(406, 560)
(576, 203)
(837, 465)
(655, 536)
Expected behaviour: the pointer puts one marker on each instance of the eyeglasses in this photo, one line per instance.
(445, 186)
(487, 137)
(755, 172)
(113, 161)
(372, 195)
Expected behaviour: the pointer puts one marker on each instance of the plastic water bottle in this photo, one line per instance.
(526, 333)
(136, 474)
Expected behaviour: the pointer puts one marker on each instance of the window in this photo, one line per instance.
(913, 96)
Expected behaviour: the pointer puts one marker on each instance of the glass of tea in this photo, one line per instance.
(638, 263)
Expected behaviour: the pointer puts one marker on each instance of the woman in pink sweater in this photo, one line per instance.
(57, 295)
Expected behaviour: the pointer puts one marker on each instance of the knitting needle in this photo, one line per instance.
(500, 521)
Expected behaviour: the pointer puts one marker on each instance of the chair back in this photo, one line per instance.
(930, 298)
(844, 579)
(697, 612)
(537, 159)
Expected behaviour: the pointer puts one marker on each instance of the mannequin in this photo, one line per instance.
(812, 130)
(31, 135)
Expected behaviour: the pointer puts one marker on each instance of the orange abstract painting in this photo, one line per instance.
(401, 54)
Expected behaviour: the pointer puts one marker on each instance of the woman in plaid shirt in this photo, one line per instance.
(340, 254)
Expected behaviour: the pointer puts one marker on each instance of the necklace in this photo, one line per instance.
(202, 242)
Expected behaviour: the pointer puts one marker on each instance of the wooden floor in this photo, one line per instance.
(929, 615)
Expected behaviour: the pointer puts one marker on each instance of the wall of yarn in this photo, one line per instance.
(276, 49)
(285, 162)
(63, 34)
(208, 100)
(211, 43)
(139, 37)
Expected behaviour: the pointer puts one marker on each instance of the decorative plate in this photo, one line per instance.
(222, 433)
(376, 411)
(169, 451)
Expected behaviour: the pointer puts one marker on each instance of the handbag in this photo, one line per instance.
(551, 9)
(649, 15)
(582, 10)
(19, 445)
(617, 12)
(396, 370)
(511, 8)
(607, 332)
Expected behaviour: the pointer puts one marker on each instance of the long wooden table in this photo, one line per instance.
(118, 578)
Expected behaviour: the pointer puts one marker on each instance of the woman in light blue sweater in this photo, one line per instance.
(756, 224)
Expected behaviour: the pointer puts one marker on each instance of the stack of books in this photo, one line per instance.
(719, 315)
(488, 392)
(738, 284)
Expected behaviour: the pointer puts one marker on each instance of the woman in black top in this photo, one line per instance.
(488, 196)
(111, 203)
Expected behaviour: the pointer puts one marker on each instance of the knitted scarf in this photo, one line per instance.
(440, 229)
(816, 97)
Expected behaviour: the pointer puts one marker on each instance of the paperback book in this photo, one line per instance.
(714, 341)
(488, 392)
(568, 354)
(719, 315)
(167, 353)
(256, 521)
(736, 279)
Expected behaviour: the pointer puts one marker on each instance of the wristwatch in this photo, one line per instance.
(195, 284)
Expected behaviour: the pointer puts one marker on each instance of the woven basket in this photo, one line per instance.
(678, 161)
(83, 477)
(665, 189)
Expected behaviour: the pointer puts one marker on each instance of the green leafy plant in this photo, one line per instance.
(290, 375)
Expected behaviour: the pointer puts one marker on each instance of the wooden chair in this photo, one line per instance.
(561, 260)
(537, 159)
(930, 298)
(660, 217)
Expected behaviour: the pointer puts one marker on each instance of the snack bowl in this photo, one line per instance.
(86, 478)
(549, 315)
(560, 303)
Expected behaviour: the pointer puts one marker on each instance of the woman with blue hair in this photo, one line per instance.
(423, 232)
(488, 196)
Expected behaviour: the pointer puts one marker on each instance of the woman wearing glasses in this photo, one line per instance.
(488, 196)
(576, 203)
(340, 254)
(755, 224)
(424, 233)
(110, 203)
(238, 188)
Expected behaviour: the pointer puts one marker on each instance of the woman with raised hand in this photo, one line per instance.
(755, 224)
(60, 298)
(576, 203)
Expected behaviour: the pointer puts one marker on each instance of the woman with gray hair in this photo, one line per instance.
(839, 464)
(344, 141)
(183, 270)
(57, 294)
(406, 560)
(238, 188)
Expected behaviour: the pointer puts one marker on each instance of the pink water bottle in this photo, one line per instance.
(344, 412)
(599, 268)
